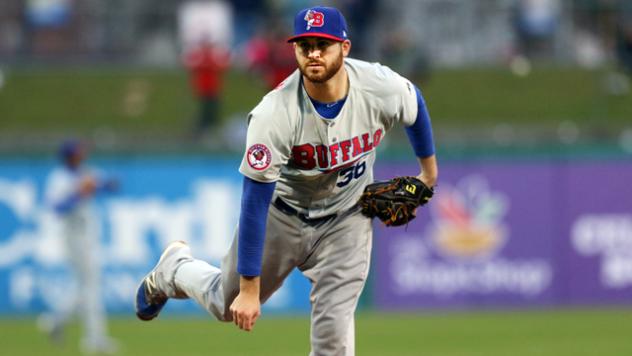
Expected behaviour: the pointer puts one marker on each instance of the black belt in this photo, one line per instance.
(288, 210)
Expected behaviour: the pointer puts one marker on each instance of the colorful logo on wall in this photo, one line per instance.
(462, 250)
(469, 220)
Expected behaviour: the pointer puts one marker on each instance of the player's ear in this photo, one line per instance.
(296, 48)
(346, 47)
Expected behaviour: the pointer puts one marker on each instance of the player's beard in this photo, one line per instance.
(322, 75)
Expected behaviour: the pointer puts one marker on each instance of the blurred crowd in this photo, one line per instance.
(146, 31)
(209, 37)
(409, 33)
(605, 23)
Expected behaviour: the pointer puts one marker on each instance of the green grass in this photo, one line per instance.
(547, 95)
(495, 333)
(128, 100)
(123, 100)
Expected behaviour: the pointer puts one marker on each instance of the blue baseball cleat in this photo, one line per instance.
(148, 304)
(157, 286)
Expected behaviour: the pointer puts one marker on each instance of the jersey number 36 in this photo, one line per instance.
(350, 173)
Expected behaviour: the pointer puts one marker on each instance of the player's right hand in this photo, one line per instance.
(246, 308)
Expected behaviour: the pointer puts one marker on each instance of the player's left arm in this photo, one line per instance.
(255, 202)
(270, 138)
(420, 137)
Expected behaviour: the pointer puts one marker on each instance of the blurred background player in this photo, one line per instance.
(535, 23)
(207, 64)
(70, 191)
(269, 56)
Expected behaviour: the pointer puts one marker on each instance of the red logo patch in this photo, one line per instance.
(259, 156)
(314, 19)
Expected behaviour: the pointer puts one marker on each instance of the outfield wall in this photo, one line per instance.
(513, 234)
(496, 234)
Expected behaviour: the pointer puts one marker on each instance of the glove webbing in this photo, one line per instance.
(393, 214)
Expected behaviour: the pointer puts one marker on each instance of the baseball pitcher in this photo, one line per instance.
(309, 156)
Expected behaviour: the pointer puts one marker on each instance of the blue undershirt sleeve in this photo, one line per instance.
(68, 204)
(255, 202)
(420, 133)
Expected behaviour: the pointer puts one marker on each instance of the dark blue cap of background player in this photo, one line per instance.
(320, 21)
(69, 148)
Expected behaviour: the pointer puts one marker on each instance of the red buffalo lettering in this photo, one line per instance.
(357, 148)
(321, 154)
(303, 156)
(344, 147)
(367, 145)
(377, 137)
(306, 155)
(333, 150)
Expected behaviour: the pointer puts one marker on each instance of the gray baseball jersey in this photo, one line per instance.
(322, 165)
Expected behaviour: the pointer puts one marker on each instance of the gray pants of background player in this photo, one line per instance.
(84, 255)
(334, 256)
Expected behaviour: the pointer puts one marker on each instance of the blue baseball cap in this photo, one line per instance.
(320, 21)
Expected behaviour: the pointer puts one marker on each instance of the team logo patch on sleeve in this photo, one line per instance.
(259, 156)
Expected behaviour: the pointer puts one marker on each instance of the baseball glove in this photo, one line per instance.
(395, 201)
